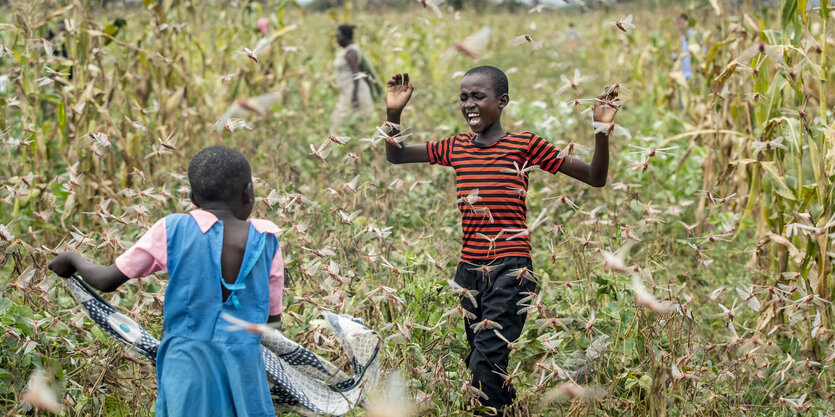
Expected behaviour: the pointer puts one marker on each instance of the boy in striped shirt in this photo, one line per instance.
(491, 171)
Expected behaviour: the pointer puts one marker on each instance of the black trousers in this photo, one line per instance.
(498, 293)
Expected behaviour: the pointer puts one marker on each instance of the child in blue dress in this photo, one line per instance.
(218, 262)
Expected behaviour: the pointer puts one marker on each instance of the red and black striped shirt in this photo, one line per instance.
(501, 195)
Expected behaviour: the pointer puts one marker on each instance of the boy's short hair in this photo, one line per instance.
(498, 77)
(346, 31)
(684, 16)
(218, 174)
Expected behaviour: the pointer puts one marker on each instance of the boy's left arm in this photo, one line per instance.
(148, 255)
(354, 63)
(100, 277)
(595, 173)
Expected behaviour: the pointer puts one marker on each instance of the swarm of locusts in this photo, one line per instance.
(697, 282)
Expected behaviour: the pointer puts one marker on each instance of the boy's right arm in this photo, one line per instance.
(398, 92)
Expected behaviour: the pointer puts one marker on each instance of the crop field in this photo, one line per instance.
(698, 281)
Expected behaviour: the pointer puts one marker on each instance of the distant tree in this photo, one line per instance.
(513, 5)
(320, 5)
(477, 4)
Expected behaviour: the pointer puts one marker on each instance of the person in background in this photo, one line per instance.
(572, 38)
(263, 25)
(688, 36)
(354, 92)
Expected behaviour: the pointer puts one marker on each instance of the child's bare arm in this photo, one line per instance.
(354, 63)
(102, 278)
(596, 172)
(398, 92)
(593, 174)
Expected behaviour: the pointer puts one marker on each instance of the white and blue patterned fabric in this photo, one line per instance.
(301, 381)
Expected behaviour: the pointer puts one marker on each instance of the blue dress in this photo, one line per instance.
(203, 369)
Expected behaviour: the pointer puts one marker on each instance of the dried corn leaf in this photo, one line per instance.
(794, 252)
(776, 180)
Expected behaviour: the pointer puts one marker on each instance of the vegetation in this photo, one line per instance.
(719, 204)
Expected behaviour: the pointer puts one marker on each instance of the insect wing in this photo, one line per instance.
(623, 90)
(519, 40)
(622, 131)
(580, 149)
(262, 45)
(600, 127)
(339, 140)
(530, 168)
(432, 6)
(473, 195)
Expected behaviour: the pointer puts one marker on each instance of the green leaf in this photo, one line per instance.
(802, 7)
(98, 334)
(824, 10)
(5, 379)
(791, 131)
(114, 406)
(646, 382)
(3, 106)
(815, 156)
(789, 12)
(5, 304)
(110, 29)
(715, 48)
(775, 99)
(62, 116)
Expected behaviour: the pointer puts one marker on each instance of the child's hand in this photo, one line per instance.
(398, 92)
(64, 264)
(607, 105)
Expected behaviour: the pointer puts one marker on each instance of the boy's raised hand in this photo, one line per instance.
(398, 92)
(607, 105)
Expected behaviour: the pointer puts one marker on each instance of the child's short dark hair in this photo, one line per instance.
(498, 77)
(347, 31)
(218, 174)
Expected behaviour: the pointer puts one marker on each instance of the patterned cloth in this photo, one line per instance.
(494, 221)
(301, 381)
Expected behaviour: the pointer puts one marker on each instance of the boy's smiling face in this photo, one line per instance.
(480, 105)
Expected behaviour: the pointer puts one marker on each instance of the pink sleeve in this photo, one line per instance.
(276, 283)
(148, 255)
